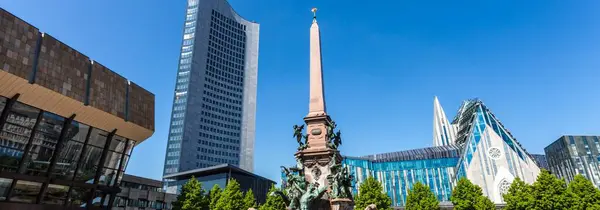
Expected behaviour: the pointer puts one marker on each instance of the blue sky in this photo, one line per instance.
(534, 63)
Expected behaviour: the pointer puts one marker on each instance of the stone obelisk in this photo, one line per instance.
(317, 156)
(319, 181)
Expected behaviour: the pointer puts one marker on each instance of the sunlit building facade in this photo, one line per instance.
(474, 145)
(214, 104)
(67, 123)
(572, 155)
(398, 171)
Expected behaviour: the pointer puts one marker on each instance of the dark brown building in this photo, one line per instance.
(68, 124)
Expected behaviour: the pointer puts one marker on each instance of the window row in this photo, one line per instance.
(217, 145)
(219, 138)
(224, 47)
(215, 152)
(222, 125)
(231, 79)
(222, 65)
(231, 24)
(236, 66)
(236, 56)
(220, 84)
(221, 91)
(222, 98)
(236, 45)
(220, 111)
(219, 131)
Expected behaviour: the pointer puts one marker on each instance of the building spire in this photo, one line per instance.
(317, 96)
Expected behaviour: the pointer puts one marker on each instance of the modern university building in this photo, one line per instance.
(68, 124)
(474, 145)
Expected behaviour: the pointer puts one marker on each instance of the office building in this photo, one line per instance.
(474, 145)
(541, 161)
(572, 155)
(220, 175)
(214, 104)
(142, 193)
(398, 171)
(68, 124)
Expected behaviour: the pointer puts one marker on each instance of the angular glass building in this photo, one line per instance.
(214, 105)
(67, 123)
(572, 155)
(398, 171)
(474, 145)
(491, 157)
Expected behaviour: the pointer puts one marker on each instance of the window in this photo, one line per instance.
(72, 148)
(56, 194)
(25, 191)
(15, 133)
(4, 185)
(89, 163)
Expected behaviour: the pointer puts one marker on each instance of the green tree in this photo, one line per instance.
(371, 192)
(484, 203)
(215, 194)
(550, 193)
(192, 197)
(274, 202)
(518, 196)
(231, 198)
(420, 197)
(249, 200)
(468, 196)
(584, 194)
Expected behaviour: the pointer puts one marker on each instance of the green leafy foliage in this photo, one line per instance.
(274, 202)
(484, 203)
(249, 200)
(518, 196)
(371, 192)
(468, 196)
(584, 194)
(231, 198)
(192, 197)
(420, 197)
(550, 193)
(215, 194)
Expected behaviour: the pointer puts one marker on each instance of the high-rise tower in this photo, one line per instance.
(213, 116)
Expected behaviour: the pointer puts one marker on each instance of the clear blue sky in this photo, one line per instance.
(535, 63)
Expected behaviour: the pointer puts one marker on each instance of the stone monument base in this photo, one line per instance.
(342, 204)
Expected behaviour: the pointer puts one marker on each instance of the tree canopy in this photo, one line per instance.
(550, 193)
(371, 192)
(214, 194)
(583, 193)
(468, 196)
(249, 200)
(420, 197)
(192, 197)
(518, 196)
(274, 202)
(231, 197)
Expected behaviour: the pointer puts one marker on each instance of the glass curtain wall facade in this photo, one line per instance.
(214, 105)
(49, 159)
(572, 155)
(398, 171)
